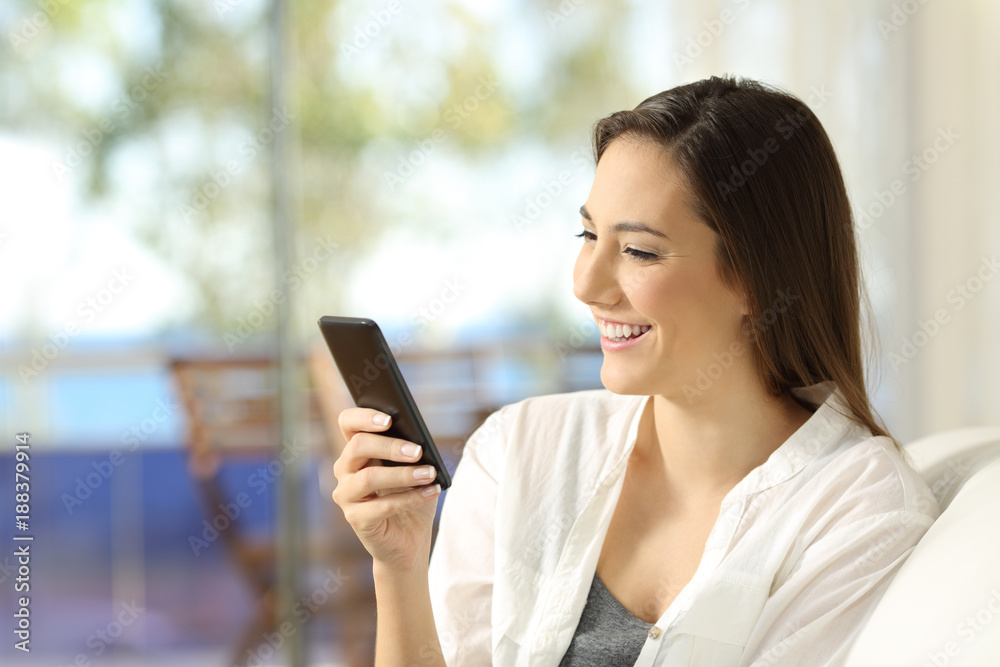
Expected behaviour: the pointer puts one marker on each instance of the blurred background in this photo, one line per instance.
(187, 186)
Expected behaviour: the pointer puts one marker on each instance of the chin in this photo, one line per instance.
(629, 386)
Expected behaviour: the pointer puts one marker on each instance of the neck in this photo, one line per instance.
(705, 447)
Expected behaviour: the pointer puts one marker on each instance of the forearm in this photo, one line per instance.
(406, 634)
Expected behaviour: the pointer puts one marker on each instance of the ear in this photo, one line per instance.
(743, 303)
(740, 300)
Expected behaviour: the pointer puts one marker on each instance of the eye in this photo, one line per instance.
(637, 254)
(640, 255)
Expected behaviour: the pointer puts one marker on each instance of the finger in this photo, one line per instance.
(364, 448)
(381, 481)
(373, 512)
(387, 492)
(356, 420)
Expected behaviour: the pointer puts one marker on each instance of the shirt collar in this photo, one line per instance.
(826, 428)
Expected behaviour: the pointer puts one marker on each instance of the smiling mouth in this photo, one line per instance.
(621, 332)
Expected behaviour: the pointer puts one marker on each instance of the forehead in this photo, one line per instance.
(638, 180)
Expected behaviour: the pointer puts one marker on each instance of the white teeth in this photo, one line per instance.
(621, 331)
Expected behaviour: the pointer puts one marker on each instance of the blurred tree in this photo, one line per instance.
(161, 108)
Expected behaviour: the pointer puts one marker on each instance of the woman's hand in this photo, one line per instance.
(391, 517)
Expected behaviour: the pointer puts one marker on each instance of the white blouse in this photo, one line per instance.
(803, 548)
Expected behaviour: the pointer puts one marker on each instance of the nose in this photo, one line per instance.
(594, 279)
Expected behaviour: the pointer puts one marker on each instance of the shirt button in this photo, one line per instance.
(654, 633)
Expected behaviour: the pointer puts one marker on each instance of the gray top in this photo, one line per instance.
(607, 635)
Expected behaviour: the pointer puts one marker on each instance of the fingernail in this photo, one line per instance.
(431, 490)
(410, 450)
(380, 420)
(424, 472)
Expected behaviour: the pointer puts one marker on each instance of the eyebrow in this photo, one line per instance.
(627, 225)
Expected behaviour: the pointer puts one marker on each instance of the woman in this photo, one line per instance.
(728, 498)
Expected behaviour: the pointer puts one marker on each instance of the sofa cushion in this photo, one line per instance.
(943, 606)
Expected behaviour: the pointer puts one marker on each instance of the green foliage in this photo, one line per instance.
(428, 66)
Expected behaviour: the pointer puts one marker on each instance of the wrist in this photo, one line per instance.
(406, 563)
(415, 570)
(405, 633)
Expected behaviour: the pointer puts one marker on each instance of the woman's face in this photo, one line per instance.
(647, 260)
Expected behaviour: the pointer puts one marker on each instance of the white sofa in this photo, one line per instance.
(943, 607)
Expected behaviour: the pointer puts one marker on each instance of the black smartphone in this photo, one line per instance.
(372, 376)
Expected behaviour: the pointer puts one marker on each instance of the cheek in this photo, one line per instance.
(658, 289)
(659, 297)
(578, 267)
(689, 300)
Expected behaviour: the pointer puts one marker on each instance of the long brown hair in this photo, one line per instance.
(763, 175)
